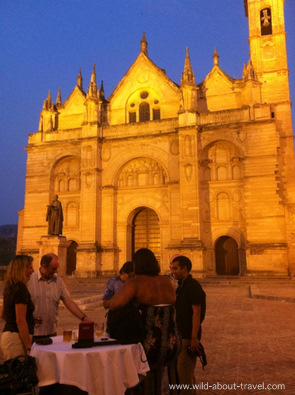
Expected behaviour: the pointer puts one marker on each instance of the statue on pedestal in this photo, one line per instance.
(54, 217)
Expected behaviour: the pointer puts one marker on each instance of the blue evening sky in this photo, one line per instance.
(44, 43)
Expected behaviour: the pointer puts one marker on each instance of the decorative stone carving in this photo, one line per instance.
(224, 161)
(223, 207)
(67, 175)
(72, 214)
(143, 75)
(88, 180)
(165, 197)
(142, 172)
(106, 154)
(174, 147)
(237, 195)
(188, 146)
(89, 156)
(188, 169)
(120, 200)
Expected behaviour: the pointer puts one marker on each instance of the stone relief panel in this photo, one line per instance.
(72, 214)
(223, 207)
(226, 205)
(106, 154)
(88, 156)
(221, 161)
(221, 169)
(221, 173)
(236, 137)
(188, 170)
(236, 172)
(67, 175)
(174, 147)
(188, 146)
(88, 180)
(72, 184)
(142, 172)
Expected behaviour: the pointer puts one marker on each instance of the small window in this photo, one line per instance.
(144, 94)
(156, 114)
(132, 117)
(144, 112)
(265, 22)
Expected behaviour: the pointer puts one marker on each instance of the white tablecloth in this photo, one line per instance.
(102, 370)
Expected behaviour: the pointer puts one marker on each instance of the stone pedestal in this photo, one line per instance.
(55, 245)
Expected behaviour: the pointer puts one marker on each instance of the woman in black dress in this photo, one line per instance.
(155, 296)
(16, 338)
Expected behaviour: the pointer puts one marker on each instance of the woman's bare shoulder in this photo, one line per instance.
(130, 283)
(154, 283)
(165, 279)
(152, 279)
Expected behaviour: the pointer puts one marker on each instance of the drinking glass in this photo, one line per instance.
(67, 335)
(99, 329)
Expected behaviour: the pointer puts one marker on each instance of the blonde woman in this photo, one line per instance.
(16, 338)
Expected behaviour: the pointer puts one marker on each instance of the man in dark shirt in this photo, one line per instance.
(190, 298)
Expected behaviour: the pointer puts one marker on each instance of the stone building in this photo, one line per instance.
(202, 169)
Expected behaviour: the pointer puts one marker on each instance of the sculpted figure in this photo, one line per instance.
(54, 217)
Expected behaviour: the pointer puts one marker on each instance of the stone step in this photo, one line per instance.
(277, 292)
(87, 302)
(238, 280)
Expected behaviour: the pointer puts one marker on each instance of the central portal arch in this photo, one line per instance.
(146, 231)
(227, 257)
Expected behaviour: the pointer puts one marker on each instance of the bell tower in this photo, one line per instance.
(267, 39)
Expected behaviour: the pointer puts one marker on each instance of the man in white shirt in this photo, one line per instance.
(47, 289)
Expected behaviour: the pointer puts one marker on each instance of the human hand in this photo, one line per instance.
(106, 303)
(38, 321)
(88, 319)
(195, 344)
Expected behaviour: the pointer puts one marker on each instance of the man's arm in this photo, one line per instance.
(108, 293)
(74, 309)
(196, 322)
(124, 296)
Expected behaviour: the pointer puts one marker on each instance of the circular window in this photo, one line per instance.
(144, 94)
(156, 101)
(132, 105)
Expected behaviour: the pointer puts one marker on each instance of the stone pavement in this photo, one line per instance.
(249, 340)
(248, 333)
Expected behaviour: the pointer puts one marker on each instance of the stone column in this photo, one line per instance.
(55, 245)
(191, 244)
(110, 250)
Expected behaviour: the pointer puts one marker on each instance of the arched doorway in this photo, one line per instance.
(227, 258)
(71, 258)
(146, 231)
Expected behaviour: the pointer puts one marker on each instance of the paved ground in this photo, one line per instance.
(249, 340)
(248, 333)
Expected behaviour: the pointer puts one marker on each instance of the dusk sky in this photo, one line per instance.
(44, 43)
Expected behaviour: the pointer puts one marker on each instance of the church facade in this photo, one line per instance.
(201, 169)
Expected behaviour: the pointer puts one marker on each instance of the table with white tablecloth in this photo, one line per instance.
(101, 370)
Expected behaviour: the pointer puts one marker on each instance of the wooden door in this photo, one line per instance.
(227, 258)
(146, 232)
